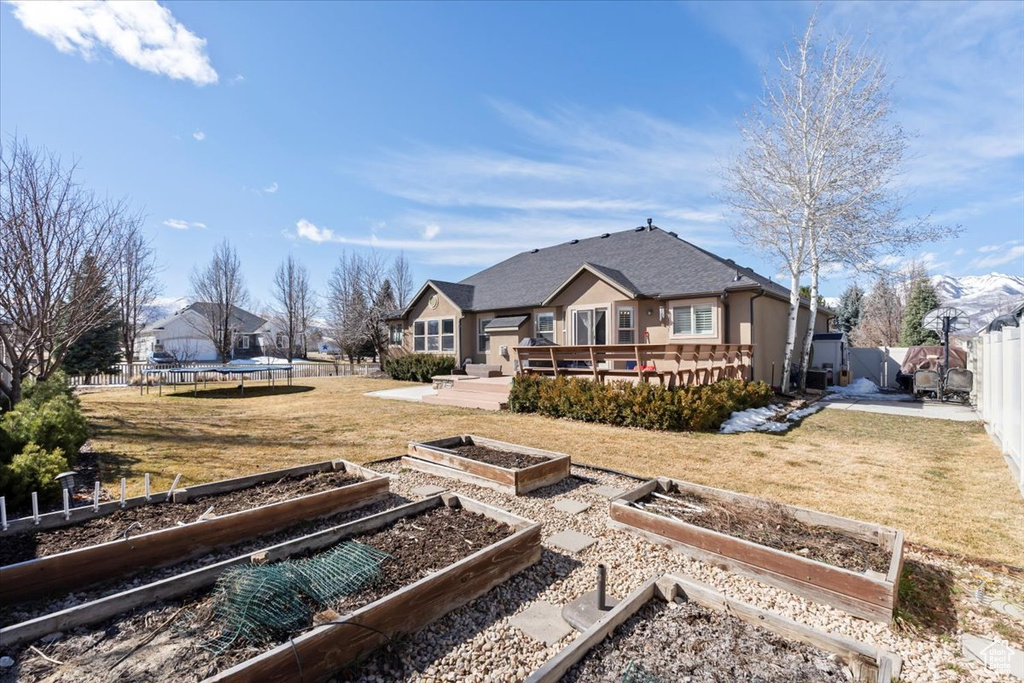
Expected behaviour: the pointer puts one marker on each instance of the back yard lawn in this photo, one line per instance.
(943, 483)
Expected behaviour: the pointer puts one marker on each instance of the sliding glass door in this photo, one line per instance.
(590, 326)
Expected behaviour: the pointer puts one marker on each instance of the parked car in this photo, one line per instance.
(162, 358)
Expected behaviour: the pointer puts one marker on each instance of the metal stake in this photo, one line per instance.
(147, 486)
(67, 505)
(35, 508)
(601, 578)
(96, 497)
(122, 491)
(3, 513)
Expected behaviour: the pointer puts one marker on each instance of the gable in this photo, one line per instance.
(421, 305)
(586, 288)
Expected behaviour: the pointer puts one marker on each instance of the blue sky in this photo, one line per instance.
(464, 133)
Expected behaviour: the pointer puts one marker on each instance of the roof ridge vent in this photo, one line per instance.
(607, 234)
(639, 228)
(534, 251)
(672, 233)
(574, 241)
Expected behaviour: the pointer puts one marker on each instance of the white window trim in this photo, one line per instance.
(440, 335)
(634, 309)
(245, 342)
(570, 327)
(554, 325)
(481, 334)
(709, 303)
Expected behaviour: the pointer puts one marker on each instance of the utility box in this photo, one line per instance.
(830, 355)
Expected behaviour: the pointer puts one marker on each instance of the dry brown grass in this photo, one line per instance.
(944, 483)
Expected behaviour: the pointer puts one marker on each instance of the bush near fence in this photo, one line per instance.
(643, 405)
(419, 367)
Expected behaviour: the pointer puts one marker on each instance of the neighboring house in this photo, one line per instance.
(637, 286)
(185, 335)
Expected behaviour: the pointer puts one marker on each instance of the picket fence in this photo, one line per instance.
(126, 372)
(997, 359)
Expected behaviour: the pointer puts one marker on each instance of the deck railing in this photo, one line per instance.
(670, 364)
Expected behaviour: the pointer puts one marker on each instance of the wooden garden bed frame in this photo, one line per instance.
(436, 457)
(869, 595)
(76, 569)
(868, 663)
(324, 650)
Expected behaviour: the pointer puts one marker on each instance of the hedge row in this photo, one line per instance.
(419, 367)
(39, 439)
(647, 406)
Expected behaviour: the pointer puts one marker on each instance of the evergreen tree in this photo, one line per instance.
(922, 299)
(850, 306)
(98, 349)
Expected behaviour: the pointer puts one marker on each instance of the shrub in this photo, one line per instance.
(34, 469)
(647, 406)
(419, 367)
(49, 416)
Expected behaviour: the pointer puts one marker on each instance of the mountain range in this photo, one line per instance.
(982, 297)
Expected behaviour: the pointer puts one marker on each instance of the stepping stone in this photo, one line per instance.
(542, 621)
(573, 507)
(609, 491)
(428, 490)
(994, 654)
(573, 541)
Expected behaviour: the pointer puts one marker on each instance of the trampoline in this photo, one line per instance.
(239, 370)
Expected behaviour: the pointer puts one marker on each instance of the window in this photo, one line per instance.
(281, 340)
(546, 326)
(590, 326)
(483, 342)
(693, 320)
(243, 341)
(395, 336)
(626, 325)
(434, 336)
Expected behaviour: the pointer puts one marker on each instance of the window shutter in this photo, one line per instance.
(703, 319)
(681, 320)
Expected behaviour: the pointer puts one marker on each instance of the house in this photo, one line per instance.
(185, 335)
(637, 286)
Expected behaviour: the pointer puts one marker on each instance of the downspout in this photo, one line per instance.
(725, 305)
(759, 294)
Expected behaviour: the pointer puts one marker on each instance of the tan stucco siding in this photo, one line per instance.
(587, 289)
(770, 319)
(422, 310)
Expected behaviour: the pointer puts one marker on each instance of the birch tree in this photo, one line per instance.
(59, 245)
(814, 185)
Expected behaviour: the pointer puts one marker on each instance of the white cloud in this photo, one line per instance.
(270, 189)
(199, 135)
(1010, 254)
(179, 224)
(239, 78)
(142, 33)
(431, 231)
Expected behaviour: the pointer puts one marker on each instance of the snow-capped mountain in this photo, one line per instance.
(982, 297)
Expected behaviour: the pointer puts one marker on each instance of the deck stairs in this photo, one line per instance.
(466, 391)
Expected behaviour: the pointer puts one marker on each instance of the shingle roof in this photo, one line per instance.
(511, 322)
(460, 294)
(244, 321)
(652, 263)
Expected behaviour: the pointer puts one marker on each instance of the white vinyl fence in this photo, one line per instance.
(997, 359)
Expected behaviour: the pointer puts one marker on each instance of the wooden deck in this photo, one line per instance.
(670, 364)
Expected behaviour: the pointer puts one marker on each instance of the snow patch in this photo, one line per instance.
(798, 415)
(861, 386)
(753, 420)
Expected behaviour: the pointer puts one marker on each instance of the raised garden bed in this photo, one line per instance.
(848, 564)
(442, 552)
(153, 535)
(673, 629)
(494, 464)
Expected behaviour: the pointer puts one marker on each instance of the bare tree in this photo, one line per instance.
(882, 316)
(135, 285)
(401, 280)
(295, 302)
(360, 298)
(219, 289)
(814, 184)
(58, 249)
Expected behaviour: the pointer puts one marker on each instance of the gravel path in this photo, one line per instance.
(477, 643)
